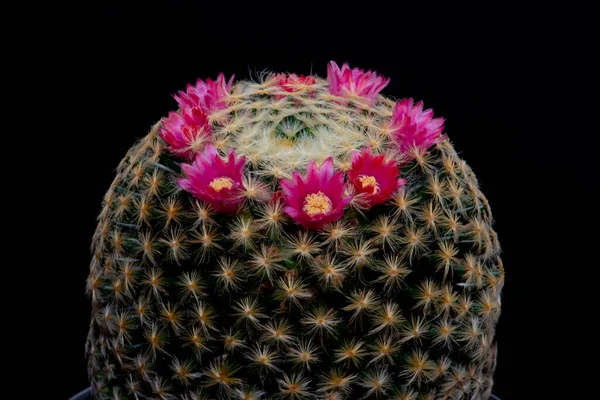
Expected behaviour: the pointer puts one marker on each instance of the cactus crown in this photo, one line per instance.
(294, 238)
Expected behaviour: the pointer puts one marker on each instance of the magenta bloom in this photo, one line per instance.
(291, 82)
(186, 133)
(413, 127)
(210, 96)
(215, 181)
(373, 177)
(355, 83)
(316, 199)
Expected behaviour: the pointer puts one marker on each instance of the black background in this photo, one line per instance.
(488, 71)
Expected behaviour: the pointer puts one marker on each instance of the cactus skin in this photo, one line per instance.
(400, 301)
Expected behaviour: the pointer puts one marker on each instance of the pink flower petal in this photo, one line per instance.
(209, 96)
(355, 83)
(380, 175)
(327, 187)
(183, 132)
(214, 180)
(413, 127)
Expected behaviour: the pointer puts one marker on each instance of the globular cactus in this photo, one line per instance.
(294, 238)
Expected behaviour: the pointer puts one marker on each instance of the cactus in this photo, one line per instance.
(295, 238)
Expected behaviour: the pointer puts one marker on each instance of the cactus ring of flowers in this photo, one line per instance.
(294, 238)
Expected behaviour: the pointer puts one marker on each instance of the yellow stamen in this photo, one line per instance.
(220, 183)
(316, 203)
(369, 181)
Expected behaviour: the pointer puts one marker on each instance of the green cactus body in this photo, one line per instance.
(399, 301)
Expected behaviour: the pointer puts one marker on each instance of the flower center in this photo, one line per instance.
(369, 181)
(221, 183)
(316, 203)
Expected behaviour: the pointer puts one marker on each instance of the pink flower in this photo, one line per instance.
(373, 177)
(215, 181)
(316, 199)
(413, 127)
(186, 133)
(292, 82)
(355, 83)
(210, 96)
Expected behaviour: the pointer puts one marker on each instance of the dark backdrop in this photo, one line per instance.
(479, 68)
